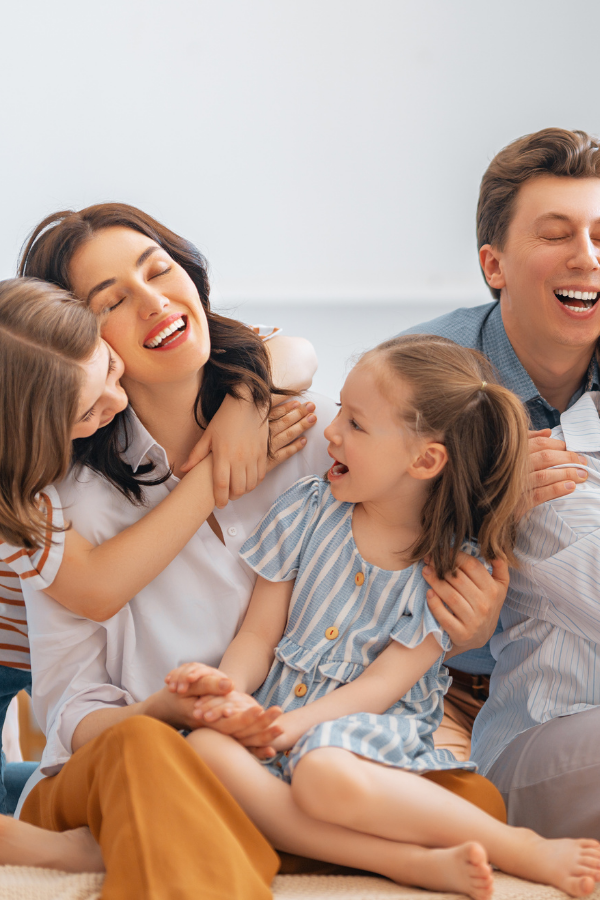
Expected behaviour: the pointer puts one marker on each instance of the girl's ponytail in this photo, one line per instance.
(480, 493)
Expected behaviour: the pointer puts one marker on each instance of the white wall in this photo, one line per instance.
(314, 149)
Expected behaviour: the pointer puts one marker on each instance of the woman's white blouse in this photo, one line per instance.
(191, 611)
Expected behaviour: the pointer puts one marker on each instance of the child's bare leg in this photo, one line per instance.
(22, 844)
(336, 786)
(269, 803)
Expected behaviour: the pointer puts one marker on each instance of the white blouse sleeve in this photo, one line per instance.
(70, 678)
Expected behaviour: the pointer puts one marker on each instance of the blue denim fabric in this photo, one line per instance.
(11, 682)
(15, 778)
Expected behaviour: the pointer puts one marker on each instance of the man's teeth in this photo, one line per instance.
(587, 297)
(159, 338)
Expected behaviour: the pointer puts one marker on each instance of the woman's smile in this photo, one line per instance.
(150, 308)
(169, 333)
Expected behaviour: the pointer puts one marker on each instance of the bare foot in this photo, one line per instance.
(463, 869)
(573, 866)
(22, 844)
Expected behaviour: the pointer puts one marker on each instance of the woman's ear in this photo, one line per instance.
(430, 462)
(491, 264)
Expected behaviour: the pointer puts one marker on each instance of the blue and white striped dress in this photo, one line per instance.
(343, 614)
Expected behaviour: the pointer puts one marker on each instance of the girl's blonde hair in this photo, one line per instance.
(42, 341)
(455, 399)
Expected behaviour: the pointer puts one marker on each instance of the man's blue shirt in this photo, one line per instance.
(481, 328)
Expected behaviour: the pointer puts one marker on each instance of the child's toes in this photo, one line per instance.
(579, 886)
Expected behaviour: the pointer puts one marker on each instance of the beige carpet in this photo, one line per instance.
(19, 883)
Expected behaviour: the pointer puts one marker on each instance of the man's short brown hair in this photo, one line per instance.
(552, 151)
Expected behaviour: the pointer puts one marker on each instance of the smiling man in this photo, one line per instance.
(538, 231)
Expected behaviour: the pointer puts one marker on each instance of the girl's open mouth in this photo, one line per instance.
(174, 329)
(337, 470)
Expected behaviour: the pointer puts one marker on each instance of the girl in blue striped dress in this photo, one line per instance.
(429, 455)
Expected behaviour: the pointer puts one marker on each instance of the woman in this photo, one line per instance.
(54, 369)
(93, 679)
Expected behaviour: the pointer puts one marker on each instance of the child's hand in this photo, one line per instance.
(228, 706)
(287, 424)
(240, 716)
(196, 680)
(238, 435)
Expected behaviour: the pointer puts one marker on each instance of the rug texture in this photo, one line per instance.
(21, 883)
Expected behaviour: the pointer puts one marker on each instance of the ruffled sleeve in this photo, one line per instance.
(417, 620)
(275, 547)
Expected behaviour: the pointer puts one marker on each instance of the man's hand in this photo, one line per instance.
(546, 483)
(467, 605)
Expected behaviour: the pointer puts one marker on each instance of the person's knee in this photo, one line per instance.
(326, 784)
(141, 731)
(208, 744)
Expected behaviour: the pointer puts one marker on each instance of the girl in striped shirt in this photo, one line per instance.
(430, 455)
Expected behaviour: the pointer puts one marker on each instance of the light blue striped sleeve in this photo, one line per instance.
(417, 621)
(570, 583)
(274, 549)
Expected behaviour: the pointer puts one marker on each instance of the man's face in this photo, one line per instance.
(549, 269)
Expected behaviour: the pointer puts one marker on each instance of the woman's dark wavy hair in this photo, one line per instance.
(238, 356)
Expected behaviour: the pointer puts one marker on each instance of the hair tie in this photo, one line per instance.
(483, 384)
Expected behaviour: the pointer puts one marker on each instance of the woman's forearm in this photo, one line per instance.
(97, 581)
(163, 705)
(99, 720)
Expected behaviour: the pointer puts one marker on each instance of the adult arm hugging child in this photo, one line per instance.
(430, 456)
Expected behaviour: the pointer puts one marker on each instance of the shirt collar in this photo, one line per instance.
(138, 444)
(499, 351)
(580, 424)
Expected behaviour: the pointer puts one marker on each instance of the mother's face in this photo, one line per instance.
(153, 315)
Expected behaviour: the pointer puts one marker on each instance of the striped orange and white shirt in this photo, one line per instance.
(37, 567)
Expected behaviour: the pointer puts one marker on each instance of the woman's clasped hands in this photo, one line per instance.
(230, 712)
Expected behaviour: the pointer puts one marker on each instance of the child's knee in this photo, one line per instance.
(205, 739)
(326, 781)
